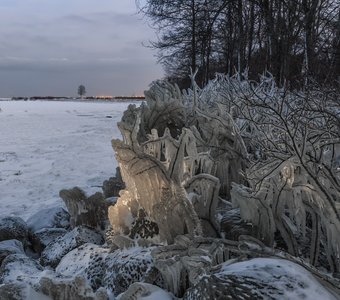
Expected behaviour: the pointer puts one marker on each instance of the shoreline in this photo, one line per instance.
(118, 100)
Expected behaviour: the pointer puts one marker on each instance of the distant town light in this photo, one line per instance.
(104, 97)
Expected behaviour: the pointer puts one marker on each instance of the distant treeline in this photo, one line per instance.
(84, 98)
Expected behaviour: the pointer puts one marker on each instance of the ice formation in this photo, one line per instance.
(175, 161)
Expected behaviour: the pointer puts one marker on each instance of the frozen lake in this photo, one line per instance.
(46, 146)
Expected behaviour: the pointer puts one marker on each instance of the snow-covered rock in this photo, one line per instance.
(19, 268)
(13, 291)
(259, 278)
(124, 267)
(45, 236)
(56, 250)
(14, 228)
(22, 278)
(87, 261)
(20, 291)
(10, 247)
(55, 217)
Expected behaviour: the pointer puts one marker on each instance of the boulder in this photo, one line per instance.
(19, 268)
(86, 261)
(20, 291)
(14, 228)
(13, 291)
(124, 267)
(259, 278)
(56, 250)
(55, 217)
(10, 247)
(40, 239)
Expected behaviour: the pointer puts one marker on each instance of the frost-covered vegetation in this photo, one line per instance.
(220, 190)
(293, 161)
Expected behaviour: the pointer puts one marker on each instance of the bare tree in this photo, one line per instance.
(185, 31)
(293, 40)
(81, 91)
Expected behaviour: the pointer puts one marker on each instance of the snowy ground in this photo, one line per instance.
(49, 146)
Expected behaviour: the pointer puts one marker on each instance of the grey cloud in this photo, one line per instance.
(8, 3)
(76, 19)
(97, 18)
(49, 55)
(43, 40)
(55, 64)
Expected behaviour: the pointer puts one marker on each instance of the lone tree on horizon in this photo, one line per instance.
(81, 91)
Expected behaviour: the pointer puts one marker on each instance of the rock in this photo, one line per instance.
(19, 268)
(141, 290)
(13, 291)
(56, 250)
(55, 217)
(86, 261)
(87, 211)
(20, 291)
(23, 278)
(124, 267)
(10, 247)
(259, 278)
(14, 228)
(43, 237)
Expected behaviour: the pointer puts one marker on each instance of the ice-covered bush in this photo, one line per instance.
(293, 143)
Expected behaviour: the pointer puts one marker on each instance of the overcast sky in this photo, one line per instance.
(49, 47)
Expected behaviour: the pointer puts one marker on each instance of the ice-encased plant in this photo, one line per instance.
(293, 142)
(176, 160)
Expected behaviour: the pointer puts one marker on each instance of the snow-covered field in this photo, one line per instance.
(46, 146)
